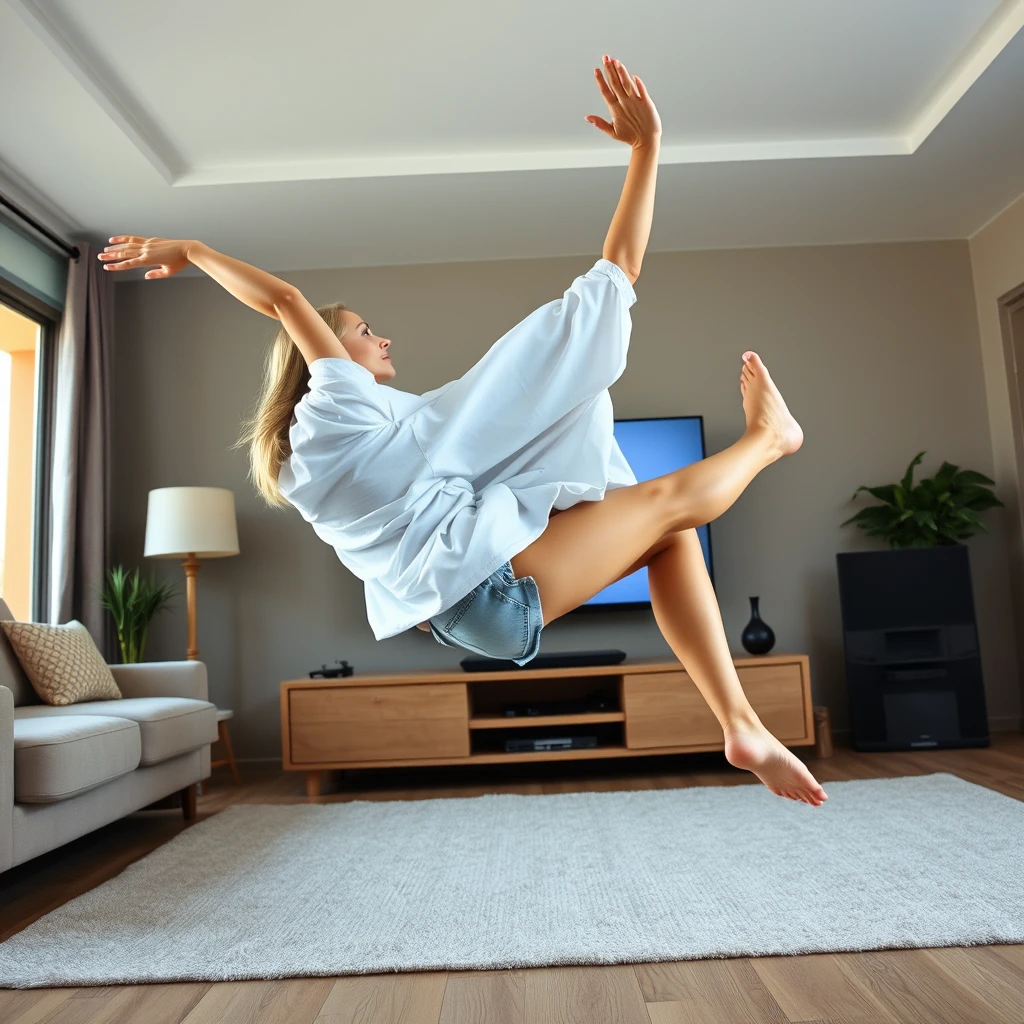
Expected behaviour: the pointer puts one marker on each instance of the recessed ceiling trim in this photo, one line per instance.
(130, 121)
(152, 143)
(610, 155)
(1004, 24)
(44, 209)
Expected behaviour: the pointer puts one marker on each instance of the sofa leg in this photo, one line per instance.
(188, 802)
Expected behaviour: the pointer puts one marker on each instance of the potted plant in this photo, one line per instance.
(133, 602)
(940, 510)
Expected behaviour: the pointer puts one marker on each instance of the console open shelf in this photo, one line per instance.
(529, 721)
(378, 720)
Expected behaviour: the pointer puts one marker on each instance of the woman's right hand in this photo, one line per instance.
(168, 255)
(635, 119)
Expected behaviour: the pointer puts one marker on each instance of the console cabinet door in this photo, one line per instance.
(378, 723)
(776, 693)
(665, 709)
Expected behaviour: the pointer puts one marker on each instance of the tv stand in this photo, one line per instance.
(377, 720)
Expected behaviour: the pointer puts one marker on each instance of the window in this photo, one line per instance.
(28, 337)
(19, 415)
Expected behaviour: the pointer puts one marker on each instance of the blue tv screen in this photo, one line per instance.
(654, 447)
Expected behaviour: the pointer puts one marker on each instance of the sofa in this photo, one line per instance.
(67, 770)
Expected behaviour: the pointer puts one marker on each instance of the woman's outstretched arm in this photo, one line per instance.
(256, 288)
(635, 121)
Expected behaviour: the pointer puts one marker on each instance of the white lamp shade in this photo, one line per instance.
(191, 520)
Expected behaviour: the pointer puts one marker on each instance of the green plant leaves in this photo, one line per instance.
(132, 602)
(908, 479)
(939, 510)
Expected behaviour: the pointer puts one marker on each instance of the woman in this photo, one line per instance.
(493, 505)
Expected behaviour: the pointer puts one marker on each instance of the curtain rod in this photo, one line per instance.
(71, 251)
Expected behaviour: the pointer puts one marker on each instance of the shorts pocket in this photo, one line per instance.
(494, 624)
(460, 610)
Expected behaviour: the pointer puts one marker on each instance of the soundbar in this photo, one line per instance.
(561, 659)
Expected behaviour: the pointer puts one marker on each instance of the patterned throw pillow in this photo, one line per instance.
(62, 663)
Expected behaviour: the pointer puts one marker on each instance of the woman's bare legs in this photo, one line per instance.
(688, 616)
(592, 544)
(589, 545)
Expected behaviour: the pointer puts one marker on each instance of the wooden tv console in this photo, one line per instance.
(377, 720)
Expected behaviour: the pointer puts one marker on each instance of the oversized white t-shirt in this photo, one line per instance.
(424, 496)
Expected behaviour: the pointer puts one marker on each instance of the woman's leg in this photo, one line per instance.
(592, 544)
(687, 613)
(588, 546)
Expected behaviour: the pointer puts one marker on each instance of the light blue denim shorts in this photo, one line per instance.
(499, 618)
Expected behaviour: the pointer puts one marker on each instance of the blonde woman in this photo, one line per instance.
(489, 507)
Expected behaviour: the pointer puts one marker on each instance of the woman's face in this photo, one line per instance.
(367, 348)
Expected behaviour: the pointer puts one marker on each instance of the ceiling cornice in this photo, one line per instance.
(152, 141)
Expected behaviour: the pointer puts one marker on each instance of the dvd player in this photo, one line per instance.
(519, 746)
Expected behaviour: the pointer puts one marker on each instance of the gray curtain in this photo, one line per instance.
(80, 485)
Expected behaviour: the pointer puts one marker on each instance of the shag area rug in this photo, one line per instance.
(274, 891)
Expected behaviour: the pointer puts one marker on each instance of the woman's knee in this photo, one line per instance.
(669, 505)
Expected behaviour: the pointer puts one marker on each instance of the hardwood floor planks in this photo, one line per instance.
(711, 991)
(916, 990)
(289, 1001)
(32, 1005)
(584, 995)
(993, 980)
(484, 997)
(815, 986)
(413, 998)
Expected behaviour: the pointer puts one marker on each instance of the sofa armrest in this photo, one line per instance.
(6, 778)
(162, 679)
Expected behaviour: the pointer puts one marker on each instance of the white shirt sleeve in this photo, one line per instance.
(333, 422)
(563, 354)
(343, 397)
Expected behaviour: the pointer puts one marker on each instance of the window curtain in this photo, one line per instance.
(81, 481)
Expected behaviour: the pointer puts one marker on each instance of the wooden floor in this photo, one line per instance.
(983, 984)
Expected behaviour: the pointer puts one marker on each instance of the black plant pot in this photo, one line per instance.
(758, 637)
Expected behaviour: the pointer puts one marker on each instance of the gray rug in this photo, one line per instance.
(273, 891)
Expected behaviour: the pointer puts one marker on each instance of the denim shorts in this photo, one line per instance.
(499, 618)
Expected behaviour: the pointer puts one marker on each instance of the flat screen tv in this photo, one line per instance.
(653, 447)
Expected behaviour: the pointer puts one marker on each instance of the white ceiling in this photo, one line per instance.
(313, 134)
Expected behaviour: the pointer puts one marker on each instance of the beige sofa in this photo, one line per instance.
(67, 770)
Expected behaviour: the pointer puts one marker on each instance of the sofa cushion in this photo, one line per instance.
(12, 675)
(63, 663)
(169, 725)
(60, 756)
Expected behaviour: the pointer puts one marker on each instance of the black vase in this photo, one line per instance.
(758, 637)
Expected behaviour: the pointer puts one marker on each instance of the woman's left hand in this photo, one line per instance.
(635, 119)
(168, 255)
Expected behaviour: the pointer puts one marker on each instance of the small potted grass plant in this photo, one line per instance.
(133, 601)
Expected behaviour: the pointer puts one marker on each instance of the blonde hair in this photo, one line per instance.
(285, 380)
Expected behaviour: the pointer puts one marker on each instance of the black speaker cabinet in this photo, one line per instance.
(913, 664)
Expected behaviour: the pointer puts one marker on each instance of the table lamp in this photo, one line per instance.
(191, 523)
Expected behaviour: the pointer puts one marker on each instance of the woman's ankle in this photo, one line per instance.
(742, 719)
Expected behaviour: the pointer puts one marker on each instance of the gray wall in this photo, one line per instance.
(875, 347)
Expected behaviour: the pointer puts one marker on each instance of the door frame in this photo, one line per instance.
(1011, 306)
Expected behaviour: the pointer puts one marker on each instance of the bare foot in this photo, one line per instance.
(754, 748)
(764, 408)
